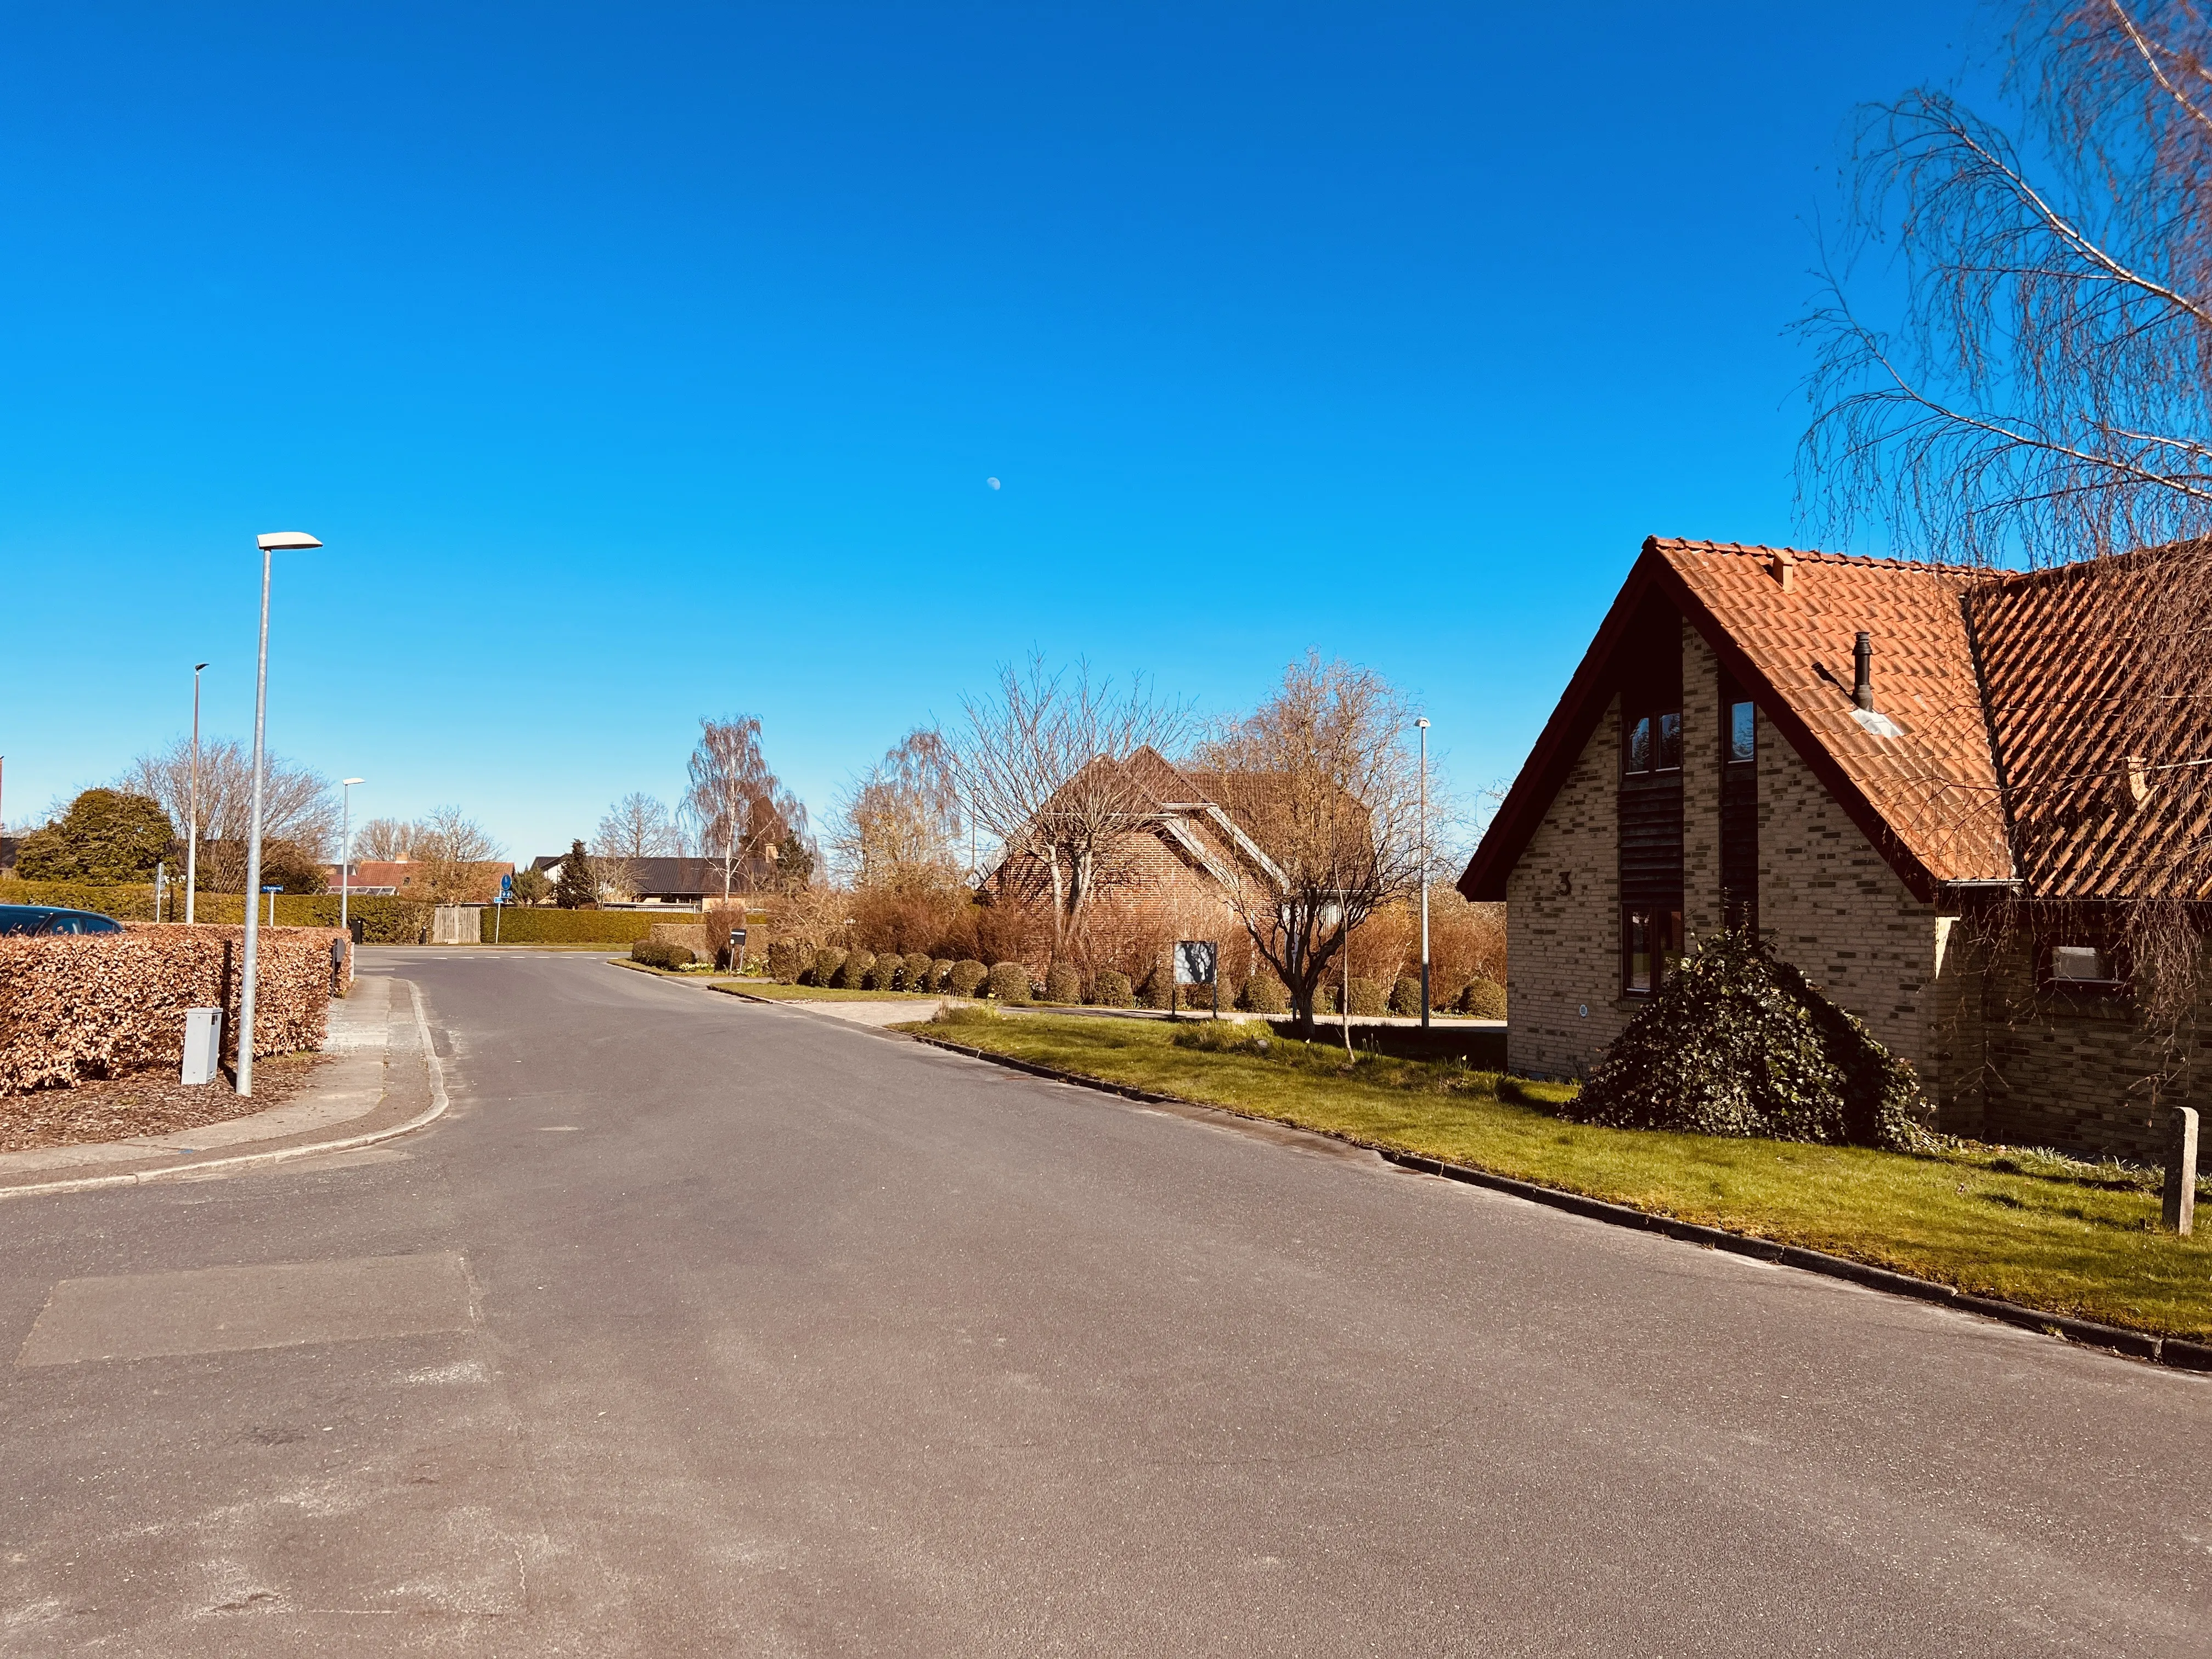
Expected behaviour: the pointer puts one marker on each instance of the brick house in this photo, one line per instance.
(1164, 875)
(1907, 776)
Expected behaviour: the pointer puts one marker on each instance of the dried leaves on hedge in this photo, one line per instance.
(1737, 1042)
(101, 1005)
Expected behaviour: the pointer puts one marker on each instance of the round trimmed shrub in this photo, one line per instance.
(940, 974)
(1406, 996)
(1152, 989)
(1484, 999)
(1010, 983)
(884, 972)
(1263, 993)
(1325, 998)
(854, 975)
(965, 978)
(921, 973)
(1370, 997)
(1109, 989)
(786, 960)
(828, 962)
(1062, 983)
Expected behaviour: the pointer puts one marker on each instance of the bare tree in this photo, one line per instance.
(1041, 766)
(634, 828)
(454, 850)
(297, 804)
(902, 824)
(2043, 392)
(1321, 780)
(384, 840)
(737, 808)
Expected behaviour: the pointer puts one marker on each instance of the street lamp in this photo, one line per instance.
(284, 541)
(1424, 724)
(192, 833)
(345, 851)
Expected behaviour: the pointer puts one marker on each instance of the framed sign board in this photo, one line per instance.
(1194, 961)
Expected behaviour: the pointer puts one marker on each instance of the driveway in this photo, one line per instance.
(697, 1326)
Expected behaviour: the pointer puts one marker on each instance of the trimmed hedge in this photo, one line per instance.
(1370, 997)
(1010, 983)
(659, 953)
(885, 973)
(1109, 989)
(939, 973)
(1484, 999)
(854, 975)
(100, 1004)
(965, 978)
(828, 962)
(1406, 996)
(1263, 993)
(921, 972)
(524, 924)
(1062, 983)
(786, 960)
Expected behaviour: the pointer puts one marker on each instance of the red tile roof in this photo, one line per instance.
(2010, 701)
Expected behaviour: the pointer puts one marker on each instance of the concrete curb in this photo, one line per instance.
(439, 1101)
(2172, 1352)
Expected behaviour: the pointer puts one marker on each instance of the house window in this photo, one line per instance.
(1741, 733)
(1650, 944)
(2079, 966)
(1654, 744)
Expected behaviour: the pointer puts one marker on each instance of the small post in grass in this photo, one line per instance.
(2179, 1211)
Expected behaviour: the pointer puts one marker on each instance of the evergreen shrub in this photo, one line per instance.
(1737, 1042)
(885, 972)
(1152, 990)
(1062, 983)
(1483, 999)
(1010, 983)
(827, 962)
(1263, 993)
(659, 953)
(1405, 995)
(1109, 989)
(921, 972)
(965, 978)
(854, 975)
(786, 960)
(1370, 997)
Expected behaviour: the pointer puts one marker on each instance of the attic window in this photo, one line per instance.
(1654, 744)
(2083, 965)
(1743, 733)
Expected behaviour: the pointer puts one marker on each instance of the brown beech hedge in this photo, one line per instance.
(100, 1004)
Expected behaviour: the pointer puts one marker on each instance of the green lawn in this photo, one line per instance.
(2047, 1232)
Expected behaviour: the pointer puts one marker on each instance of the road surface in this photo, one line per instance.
(698, 1327)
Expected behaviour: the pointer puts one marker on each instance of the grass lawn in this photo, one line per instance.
(2047, 1232)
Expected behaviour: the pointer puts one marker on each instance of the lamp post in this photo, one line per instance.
(287, 541)
(345, 850)
(192, 832)
(1424, 724)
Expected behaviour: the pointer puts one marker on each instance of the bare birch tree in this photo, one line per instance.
(903, 822)
(1041, 768)
(636, 828)
(2040, 390)
(738, 809)
(1322, 780)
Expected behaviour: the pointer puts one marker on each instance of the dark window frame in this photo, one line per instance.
(1660, 732)
(1664, 946)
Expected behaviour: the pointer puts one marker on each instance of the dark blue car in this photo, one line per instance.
(50, 918)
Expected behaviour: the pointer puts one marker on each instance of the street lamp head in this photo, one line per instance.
(278, 541)
(1422, 722)
(197, 666)
(349, 782)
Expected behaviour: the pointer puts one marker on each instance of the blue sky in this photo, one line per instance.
(645, 364)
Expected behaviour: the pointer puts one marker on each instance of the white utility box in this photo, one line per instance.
(202, 1043)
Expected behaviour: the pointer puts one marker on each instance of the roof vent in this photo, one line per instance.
(1862, 671)
(1780, 566)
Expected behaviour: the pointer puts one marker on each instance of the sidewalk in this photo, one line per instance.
(382, 1080)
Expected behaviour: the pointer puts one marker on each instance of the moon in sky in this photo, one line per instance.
(993, 482)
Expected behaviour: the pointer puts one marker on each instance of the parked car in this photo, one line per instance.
(48, 919)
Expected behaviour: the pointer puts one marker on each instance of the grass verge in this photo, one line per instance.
(774, 992)
(2046, 1231)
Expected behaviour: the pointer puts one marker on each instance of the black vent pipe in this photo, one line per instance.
(1862, 667)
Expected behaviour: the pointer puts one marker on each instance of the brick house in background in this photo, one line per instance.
(1907, 776)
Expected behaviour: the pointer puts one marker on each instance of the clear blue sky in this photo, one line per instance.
(643, 363)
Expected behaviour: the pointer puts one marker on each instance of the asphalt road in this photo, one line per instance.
(704, 1327)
